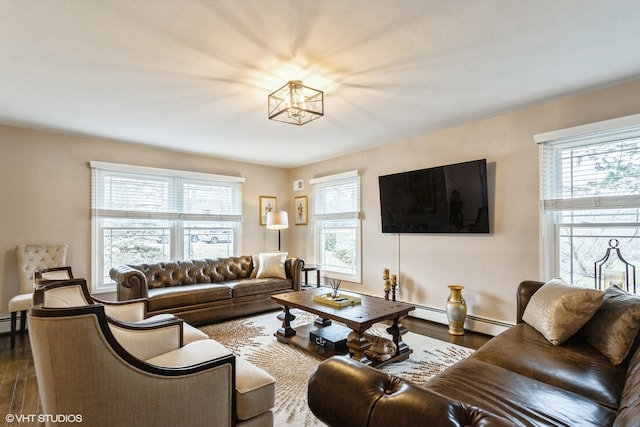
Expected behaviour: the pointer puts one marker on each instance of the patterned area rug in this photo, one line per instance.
(253, 339)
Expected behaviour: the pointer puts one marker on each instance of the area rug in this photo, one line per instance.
(253, 339)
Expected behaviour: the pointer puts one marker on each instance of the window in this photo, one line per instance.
(336, 217)
(590, 193)
(146, 215)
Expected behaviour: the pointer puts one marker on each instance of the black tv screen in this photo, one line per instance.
(443, 199)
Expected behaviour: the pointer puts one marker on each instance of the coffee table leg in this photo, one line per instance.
(397, 331)
(286, 317)
(357, 345)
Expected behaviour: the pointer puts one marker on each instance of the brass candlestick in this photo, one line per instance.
(387, 283)
(394, 284)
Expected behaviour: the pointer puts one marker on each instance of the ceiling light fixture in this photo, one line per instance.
(296, 103)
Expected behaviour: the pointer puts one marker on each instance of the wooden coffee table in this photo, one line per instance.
(358, 318)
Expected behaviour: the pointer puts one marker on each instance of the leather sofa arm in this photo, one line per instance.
(525, 290)
(293, 269)
(343, 392)
(131, 283)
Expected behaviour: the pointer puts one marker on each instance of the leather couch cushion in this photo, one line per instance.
(629, 411)
(248, 287)
(558, 310)
(575, 366)
(516, 397)
(614, 327)
(189, 272)
(181, 296)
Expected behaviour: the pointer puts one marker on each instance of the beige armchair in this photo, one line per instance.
(108, 372)
(132, 311)
(31, 258)
(160, 341)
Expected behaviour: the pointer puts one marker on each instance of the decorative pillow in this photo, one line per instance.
(614, 327)
(256, 262)
(271, 265)
(558, 310)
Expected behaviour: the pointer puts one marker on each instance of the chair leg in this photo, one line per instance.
(14, 316)
(23, 321)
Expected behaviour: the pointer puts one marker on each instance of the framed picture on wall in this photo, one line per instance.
(302, 210)
(267, 204)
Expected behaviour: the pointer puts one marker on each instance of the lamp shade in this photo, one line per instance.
(277, 220)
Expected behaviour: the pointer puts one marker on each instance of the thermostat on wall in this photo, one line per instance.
(298, 185)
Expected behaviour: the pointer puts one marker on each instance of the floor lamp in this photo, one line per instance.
(277, 221)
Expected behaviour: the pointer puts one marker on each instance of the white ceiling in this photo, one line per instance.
(194, 75)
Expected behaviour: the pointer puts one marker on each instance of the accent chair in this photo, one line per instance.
(31, 258)
(107, 372)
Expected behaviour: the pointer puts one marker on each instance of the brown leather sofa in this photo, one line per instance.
(206, 290)
(518, 378)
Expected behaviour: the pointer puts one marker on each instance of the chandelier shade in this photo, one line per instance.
(296, 103)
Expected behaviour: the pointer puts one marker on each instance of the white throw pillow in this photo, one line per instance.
(272, 265)
(255, 259)
(558, 310)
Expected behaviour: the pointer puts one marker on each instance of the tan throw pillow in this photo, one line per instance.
(271, 265)
(614, 327)
(558, 310)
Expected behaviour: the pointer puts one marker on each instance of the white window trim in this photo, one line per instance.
(357, 277)
(620, 124)
(116, 167)
(549, 229)
(334, 177)
(96, 237)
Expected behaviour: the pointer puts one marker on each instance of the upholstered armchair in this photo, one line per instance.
(76, 294)
(31, 258)
(108, 372)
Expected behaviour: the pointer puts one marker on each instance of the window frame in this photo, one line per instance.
(173, 211)
(553, 204)
(325, 218)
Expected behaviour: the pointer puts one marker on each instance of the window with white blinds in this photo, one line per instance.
(337, 230)
(144, 214)
(590, 193)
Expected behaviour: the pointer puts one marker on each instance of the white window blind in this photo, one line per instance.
(589, 193)
(597, 173)
(336, 196)
(142, 215)
(139, 192)
(337, 225)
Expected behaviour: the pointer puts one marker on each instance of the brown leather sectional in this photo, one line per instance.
(206, 290)
(517, 378)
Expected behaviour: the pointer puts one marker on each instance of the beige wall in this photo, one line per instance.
(488, 266)
(45, 199)
(45, 194)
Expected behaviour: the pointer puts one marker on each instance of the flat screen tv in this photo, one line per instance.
(443, 199)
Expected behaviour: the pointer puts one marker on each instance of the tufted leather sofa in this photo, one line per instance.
(517, 378)
(205, 290)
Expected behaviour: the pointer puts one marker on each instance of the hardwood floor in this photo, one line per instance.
(441, 332)
(19, 390)
(18, 387)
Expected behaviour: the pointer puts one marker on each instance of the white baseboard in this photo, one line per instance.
(5, 324)
(472, 323)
